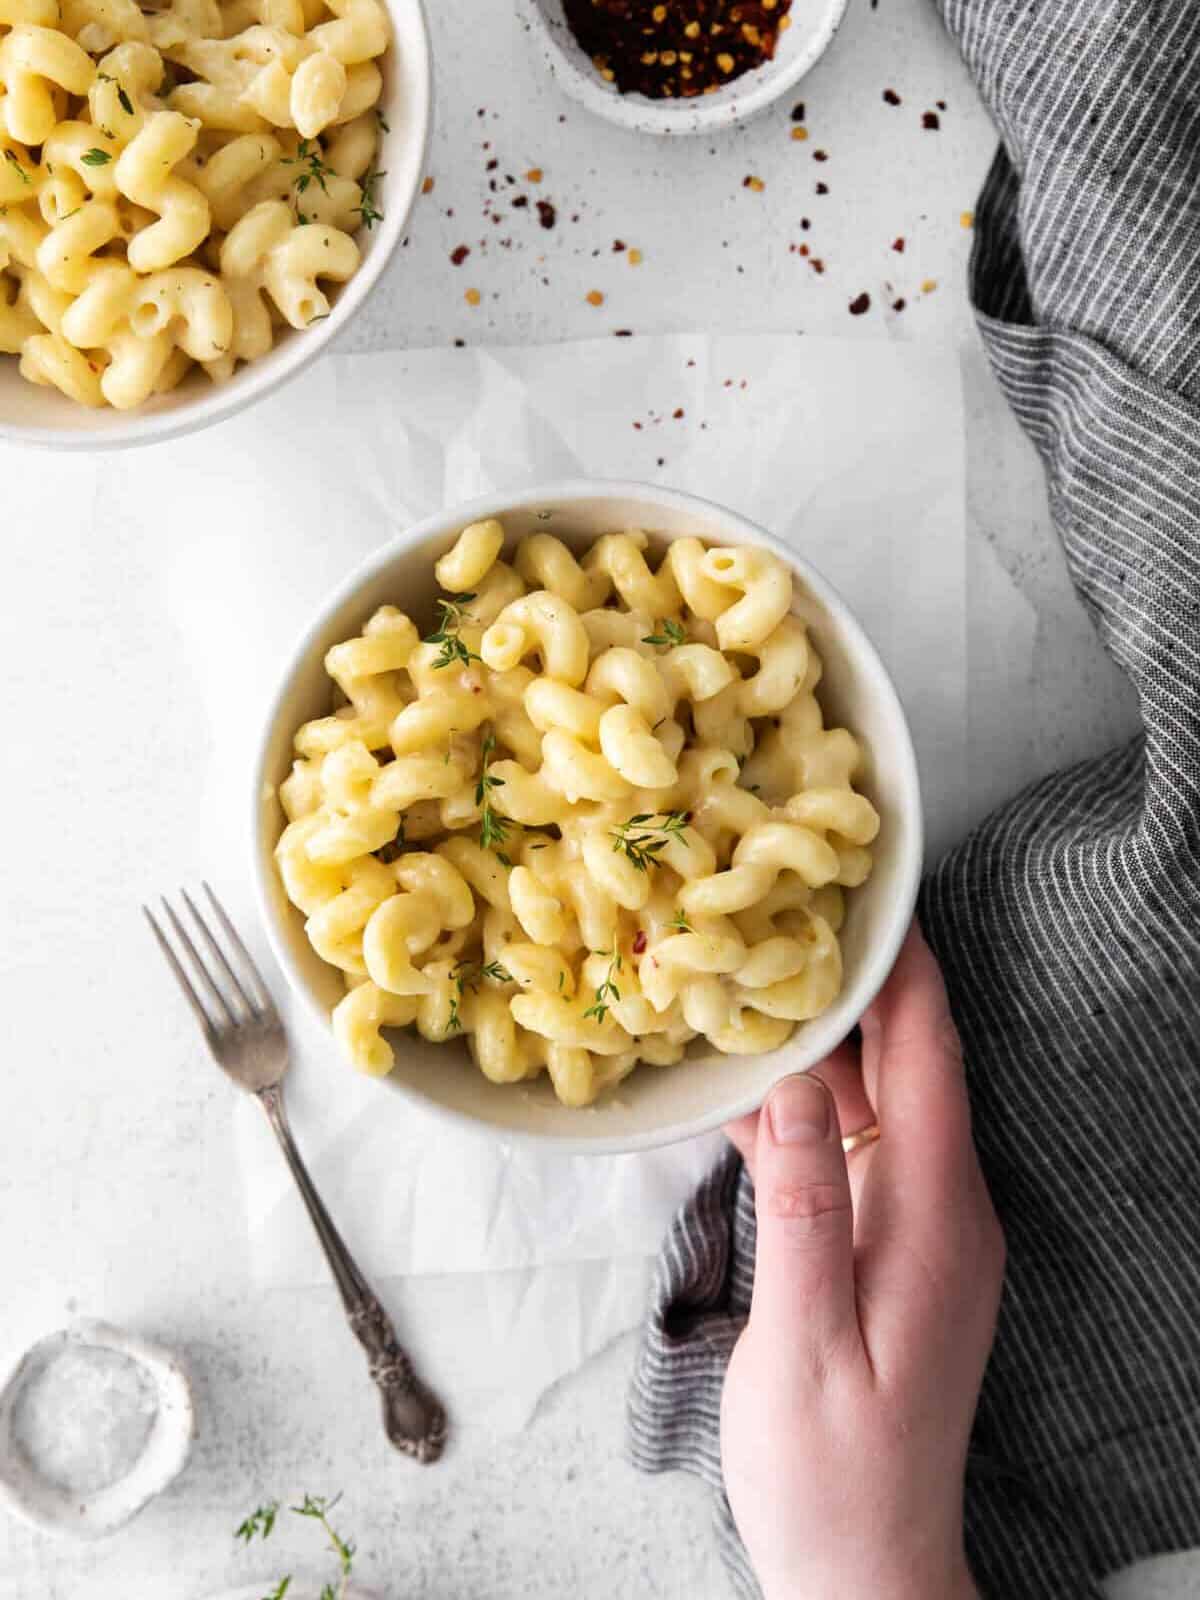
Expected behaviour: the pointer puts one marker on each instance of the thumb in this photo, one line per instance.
(804, 1301)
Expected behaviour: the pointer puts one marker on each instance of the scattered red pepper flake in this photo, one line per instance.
(751, 182)
(805, 224)
(891, 97)
(459, 255)
(931, 120)
(520, 201)
(798, 111)
(622, 333)
(822, 188)
(817, 265)
(941, 105)
(547, 215)
(677, 413)
(639, 942)
(618, 246)
(427, 186)
(820, 155)
(898, 305)
(859, 304)
(898, 245)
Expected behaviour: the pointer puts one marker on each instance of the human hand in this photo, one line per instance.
(850, 1395)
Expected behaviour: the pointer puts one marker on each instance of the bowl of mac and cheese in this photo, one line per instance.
(194, 198)
(587, 814)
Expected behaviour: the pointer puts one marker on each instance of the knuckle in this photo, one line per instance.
(808, 1210)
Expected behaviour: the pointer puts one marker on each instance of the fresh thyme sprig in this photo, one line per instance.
(21, 173)
(680, 924)
(308, 158)
(469, 975)
(453, 614)
(366, 207)
(125, 102)
(318, 1508)
(95, 157)
(669, 633)
(608, 989)
(642, 837)
(493, 828)
(259, 1524)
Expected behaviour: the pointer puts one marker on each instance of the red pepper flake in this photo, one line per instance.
(805, 224)
(859, 304)
(520, 201)
(891, 97)
(547, 215)
(460, 255)
(676, 49)
(817, 265)
(677, 413)
(639, 943)
(931, 120)
(941, 105)
(492, 164)
(898, 245)
(798, 111)
(622, 333)
(751, 182)
(427, 186)
(820, 155)
(638, 426)
(618, 246)
(822, 188)
(803, 249)
(899, 305)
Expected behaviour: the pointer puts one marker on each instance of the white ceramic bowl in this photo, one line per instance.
(93, 1514)
(33, 415)
(814, 23)
(655, 1105)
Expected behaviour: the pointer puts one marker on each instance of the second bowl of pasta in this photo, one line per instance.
(587, 814)
(193, 201)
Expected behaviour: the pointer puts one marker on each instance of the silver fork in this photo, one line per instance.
(244, 1033)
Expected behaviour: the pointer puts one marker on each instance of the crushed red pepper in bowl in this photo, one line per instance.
(676, 49)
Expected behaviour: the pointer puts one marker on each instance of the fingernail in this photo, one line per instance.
(799, 1111)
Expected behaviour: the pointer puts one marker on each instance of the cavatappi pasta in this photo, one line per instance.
(594, 813)
(178, 184)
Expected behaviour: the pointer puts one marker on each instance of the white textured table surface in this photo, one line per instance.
(118, 1186)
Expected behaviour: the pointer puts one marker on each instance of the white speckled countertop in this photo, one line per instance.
(111, 1158)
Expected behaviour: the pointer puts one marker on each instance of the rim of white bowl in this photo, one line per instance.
(250, 384)
(678, 118)
(562, 493)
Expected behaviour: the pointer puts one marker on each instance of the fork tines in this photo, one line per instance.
(229, 989)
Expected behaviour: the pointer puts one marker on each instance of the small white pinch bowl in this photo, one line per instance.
(33, 415)
(94, 1514)
(654, 1105)
(814, 23)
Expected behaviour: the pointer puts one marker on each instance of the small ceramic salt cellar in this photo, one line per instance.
(94, 1423)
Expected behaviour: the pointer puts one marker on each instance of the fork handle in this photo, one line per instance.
(412, 1417)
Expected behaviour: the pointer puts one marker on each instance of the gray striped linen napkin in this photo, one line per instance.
(1068, 924)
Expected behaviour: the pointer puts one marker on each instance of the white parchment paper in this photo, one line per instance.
(517, 1265)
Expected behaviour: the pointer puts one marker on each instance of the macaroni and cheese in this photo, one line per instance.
(592, 814)
(178, 185)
